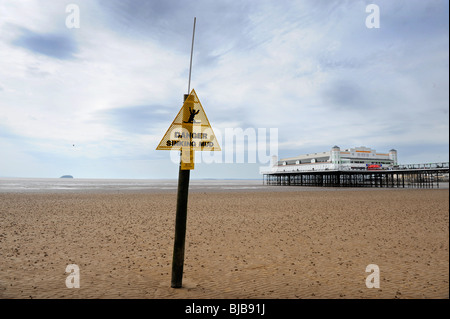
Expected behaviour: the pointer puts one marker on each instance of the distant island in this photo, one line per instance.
(66, 176)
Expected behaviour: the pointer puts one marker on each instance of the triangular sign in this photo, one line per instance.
(190, 130)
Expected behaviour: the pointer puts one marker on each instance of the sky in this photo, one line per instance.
(92, 97)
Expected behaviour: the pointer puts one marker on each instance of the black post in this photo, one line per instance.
(180, 226)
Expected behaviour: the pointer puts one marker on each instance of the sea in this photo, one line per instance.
(77, 185)
(61, 185)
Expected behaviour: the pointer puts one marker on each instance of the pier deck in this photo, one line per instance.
(403, 177)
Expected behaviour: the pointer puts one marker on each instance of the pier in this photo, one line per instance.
(402, 176)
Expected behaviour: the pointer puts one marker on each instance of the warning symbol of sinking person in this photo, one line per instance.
(190, 131)
(193, 114)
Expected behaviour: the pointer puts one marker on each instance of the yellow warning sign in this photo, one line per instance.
(190, 130)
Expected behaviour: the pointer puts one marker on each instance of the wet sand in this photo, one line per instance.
(299, 244)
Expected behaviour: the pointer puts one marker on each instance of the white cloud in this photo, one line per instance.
(311, 69)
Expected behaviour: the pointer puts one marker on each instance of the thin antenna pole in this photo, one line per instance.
(192, 51)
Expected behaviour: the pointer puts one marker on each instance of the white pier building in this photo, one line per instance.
(358, 158)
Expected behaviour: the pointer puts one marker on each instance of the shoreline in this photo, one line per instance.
(157, 186)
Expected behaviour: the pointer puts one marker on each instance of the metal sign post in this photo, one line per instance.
(190, 131)
(182, 200)
(180, 225)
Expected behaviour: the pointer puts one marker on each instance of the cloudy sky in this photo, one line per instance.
(95, 101)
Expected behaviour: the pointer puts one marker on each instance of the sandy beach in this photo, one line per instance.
(261, 244)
